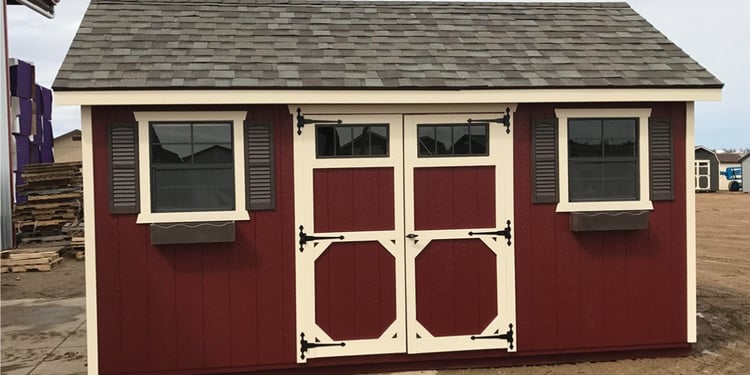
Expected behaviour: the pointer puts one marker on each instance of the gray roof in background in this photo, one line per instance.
(238, 44)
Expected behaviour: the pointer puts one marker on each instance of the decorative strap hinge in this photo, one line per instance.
(304, 238)
(508, 336)
(505, 120)
(305, 345)
(499, 233)
(302, 121)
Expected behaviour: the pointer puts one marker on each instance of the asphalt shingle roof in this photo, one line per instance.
(185, 44)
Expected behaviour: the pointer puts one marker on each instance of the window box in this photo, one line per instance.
(608, 220)
(186, 233)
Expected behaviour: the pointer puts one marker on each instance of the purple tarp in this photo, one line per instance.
(22, 80)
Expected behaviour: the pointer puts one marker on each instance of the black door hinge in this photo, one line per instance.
(302, 121)
(499, 233)
(304, 238)
(305, 345)
(508, 336)
(505, 120)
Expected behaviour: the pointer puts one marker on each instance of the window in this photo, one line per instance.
(192, 166)
(452, 140)
(346, 141)
(603, 159)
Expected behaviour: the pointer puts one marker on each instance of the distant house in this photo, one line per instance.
(727, 160)
(67, 147)
(340, 187)
(706, 170)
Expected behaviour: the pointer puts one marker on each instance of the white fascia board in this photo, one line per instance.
(166, 97)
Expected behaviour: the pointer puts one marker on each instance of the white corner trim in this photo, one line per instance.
(89, 208)
(445, 96)
(144, 166)
(692, 335)
(565, 205)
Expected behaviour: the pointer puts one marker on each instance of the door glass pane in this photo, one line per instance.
(461, 141)
(344, 141)
(361, 140)
(427, 141)
(479, 139)
(351, 140)
(444, 140)
(379, 140)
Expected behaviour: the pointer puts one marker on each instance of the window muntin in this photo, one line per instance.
(603, 159)
(440, 140)
(192, 166)
(351, 141)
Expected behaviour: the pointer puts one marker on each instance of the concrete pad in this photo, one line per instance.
(43, 336)
(71, 360)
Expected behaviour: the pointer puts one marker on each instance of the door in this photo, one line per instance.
(379, 222)
(702, 175)
(459, 248)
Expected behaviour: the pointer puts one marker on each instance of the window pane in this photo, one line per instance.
(217, 153)
(212, 133)
(585, 138)
(192, 190)
(584, 181)
(620, 180)
(619, 137)
(427, 141)
(170, 133)
(170, 154)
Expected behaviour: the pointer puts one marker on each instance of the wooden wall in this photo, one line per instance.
(230, 307)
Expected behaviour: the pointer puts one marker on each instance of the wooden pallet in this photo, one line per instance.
(39, 259)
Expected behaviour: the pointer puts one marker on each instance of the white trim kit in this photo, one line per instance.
(89, 207)
(690, 222)
(144, 166)
(644, 203)
(458, 96)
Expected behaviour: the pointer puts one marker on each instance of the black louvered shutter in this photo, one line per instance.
(544, 162)
(123, 182)
(660, 158)
(260, 186)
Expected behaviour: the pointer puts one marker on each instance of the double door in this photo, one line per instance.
(405, 235)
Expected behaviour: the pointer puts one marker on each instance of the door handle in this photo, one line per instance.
(412, 236)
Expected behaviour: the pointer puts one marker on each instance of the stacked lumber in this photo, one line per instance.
(77, 241)
(52, 212)
(34, 259)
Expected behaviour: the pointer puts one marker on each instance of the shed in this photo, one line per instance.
(706, 170)
(728, 160)
(382, 185)
(67, 147)
(745, 165)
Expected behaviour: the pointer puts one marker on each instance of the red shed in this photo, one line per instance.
(366, 186)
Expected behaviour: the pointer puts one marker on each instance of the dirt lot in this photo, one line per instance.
(723, 226)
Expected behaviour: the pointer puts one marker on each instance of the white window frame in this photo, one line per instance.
(146, 215)
(644, 201)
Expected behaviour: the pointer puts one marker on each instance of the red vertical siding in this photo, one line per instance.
(599, 289)
(181, 308)
(203, 308)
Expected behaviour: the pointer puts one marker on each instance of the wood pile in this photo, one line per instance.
(52, 214)
(31, 259)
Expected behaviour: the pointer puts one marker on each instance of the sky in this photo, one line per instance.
(715, 33)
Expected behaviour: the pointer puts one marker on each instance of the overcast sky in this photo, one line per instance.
(715, 33)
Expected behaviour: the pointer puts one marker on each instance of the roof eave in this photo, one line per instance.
(382, 96)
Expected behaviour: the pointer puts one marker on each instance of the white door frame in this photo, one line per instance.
(698, 165)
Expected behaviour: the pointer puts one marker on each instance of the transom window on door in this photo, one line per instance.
(452, 140)
(603, 159)
(347, 141)
(192, 166)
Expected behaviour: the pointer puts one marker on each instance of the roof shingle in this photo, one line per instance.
(191, 44)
